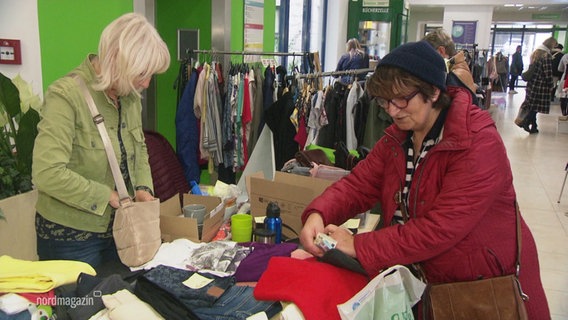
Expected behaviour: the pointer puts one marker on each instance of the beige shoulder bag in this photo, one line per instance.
(136, 228)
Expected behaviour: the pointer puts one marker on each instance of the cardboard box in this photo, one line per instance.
(292, 192)
(174, 225)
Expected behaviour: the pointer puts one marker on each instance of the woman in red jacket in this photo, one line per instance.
(444, 161)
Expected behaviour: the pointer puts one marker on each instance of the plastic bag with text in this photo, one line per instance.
(390, 295)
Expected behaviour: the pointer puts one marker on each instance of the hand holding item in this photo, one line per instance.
(313, 226)
(344, 238)
(143, 195)
(114, 200)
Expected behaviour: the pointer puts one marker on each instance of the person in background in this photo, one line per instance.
(77, 196)
(354, 58)
(557, 55)
(516, 69)
(502, 65)
(456, 64)
(444, 206)
(562, 88)
(539, 87)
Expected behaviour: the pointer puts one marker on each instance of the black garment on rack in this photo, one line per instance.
(182, 79)
(335, 102)
(361, 110)
(277, 118)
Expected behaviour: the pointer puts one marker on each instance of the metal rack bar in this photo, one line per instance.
(253, 53)
(333, 73)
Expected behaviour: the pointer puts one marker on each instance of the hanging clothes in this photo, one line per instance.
(187, 132)
(355, 93)
(277, 118)
(258, 108)
(335, 101)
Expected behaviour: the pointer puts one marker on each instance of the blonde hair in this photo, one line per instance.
(354, 47)
(130, 50)
(550, 43)
(541, 54)
(439, 38)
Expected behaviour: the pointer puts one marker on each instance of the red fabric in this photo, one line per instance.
(461, 204)
(315, 287)
(39, 298)
(302, 134)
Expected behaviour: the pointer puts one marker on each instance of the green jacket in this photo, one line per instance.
(70, 167)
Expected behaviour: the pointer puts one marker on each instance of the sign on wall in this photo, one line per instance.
(463, 32)
(254, 28)
(375, 3)
(188, 40)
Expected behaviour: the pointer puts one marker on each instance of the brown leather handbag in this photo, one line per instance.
(306, 157)
(493, 298)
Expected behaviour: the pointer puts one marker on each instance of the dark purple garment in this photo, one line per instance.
(252, 267)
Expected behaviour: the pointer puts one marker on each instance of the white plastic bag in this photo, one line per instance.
(390, 295)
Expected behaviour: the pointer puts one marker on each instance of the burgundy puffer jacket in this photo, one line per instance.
(461, 206)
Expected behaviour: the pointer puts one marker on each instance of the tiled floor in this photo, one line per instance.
(538, 162)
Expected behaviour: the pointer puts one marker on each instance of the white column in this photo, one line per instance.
(336, 32)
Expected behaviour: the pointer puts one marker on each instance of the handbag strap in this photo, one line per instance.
(98, 119)
(518, 235)
(519, 238)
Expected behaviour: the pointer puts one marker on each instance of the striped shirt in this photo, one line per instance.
(412, 164)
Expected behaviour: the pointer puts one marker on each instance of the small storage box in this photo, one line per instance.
(562, 126)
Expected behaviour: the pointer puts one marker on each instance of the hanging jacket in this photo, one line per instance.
(461, 206)
(187, 132)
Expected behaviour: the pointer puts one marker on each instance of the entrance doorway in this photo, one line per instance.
(505, 39)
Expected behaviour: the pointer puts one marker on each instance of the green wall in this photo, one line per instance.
(172, 15)
(237, 26)
(70, 29)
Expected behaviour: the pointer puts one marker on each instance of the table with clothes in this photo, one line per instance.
(185, 280)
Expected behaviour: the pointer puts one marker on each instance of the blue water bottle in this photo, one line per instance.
(273, 221)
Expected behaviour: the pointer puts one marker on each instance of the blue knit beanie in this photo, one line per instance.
(420, 60)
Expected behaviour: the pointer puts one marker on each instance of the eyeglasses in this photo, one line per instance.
(400, 103)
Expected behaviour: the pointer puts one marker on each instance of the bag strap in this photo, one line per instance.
(519, 239)
(98, 119)
(518, 234)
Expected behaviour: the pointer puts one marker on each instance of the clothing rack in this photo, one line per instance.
(333, 73)
(253, 53)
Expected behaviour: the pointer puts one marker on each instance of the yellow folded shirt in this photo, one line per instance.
(39, 276)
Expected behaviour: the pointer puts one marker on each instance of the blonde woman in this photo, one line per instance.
(539, 87)
(77, 196)
(354, 58)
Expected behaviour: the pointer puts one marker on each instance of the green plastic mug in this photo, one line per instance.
(241, 227)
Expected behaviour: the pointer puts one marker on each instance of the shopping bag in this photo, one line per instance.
(528, 75)
(136, 231)
(522, 114)
(390, 295)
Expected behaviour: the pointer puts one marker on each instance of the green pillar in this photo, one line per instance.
(387, 11)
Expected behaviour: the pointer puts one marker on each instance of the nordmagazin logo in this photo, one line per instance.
(71, 302)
